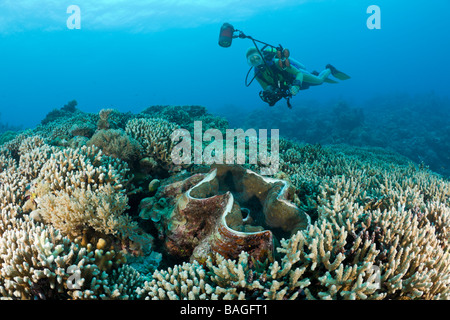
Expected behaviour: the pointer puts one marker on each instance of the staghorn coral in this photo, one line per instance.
(380, 231)
(37, 262)
(227, 279)
(378, 206)
(12, 185)
(80, 191)
(322, 262)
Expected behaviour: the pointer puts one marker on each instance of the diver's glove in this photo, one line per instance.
(295, 87)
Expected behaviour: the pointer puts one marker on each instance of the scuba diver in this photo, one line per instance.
(282, 77)
(279, 75)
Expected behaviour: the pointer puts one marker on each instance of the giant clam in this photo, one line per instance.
(228, 210)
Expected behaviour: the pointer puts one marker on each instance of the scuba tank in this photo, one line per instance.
(226, 35)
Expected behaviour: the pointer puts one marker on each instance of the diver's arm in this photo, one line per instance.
(298, 74)
(298, 79)
(299, 64)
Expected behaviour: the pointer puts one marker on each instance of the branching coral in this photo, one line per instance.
(37, 262)
(112, 119)
(380, 232)
(68, 169)
(102, 210)
(154, 136)
(227, 279)
(116, 143)
(372, 216)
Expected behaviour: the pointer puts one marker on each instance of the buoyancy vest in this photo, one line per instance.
(273, 75)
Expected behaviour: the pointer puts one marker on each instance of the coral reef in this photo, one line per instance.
(414, 126)
(367, 241)
(112, 119)
(63, 112)
(184, 116)
(81, 218)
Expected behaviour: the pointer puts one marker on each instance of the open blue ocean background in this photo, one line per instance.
(130, 55)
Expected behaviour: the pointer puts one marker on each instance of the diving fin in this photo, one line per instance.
(336, 73)
(330, 81)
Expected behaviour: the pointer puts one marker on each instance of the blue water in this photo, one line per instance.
(135, 54)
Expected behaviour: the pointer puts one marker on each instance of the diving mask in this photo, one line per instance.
(254, 59)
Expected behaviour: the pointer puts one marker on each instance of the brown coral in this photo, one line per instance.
(102, 209)
(116, 143)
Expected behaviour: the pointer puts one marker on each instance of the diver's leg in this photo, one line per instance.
(313, 80)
